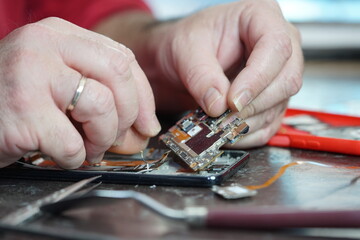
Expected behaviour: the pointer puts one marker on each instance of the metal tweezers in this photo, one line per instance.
(22, 214)
(14, 221)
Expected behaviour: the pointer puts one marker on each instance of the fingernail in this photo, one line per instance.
(155, 125)
(95, 159)
(211, 97)
(242, 100)
(244, 114)
(116, 143)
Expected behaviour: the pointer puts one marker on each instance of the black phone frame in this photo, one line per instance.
(19, 171)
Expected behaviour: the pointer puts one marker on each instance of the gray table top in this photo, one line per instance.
(322, 181)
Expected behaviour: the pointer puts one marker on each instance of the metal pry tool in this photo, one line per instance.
(246, 218)
(22, 214)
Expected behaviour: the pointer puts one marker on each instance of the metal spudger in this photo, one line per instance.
(248, 218)
(24, 213)
(103, 197)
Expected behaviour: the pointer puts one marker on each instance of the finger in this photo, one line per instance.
(258, 138)
(147, 122)
(13, 142)
(49, 131)
(133, 142)
(110, 63)
(285, 85)
(59, 139)
(264, 64)
(38, 124)
(7, 155)
(111, 68)
(146, 100)
(265, 118)
(96, 112)
(62, 26)
(203, 76)
(269, 46)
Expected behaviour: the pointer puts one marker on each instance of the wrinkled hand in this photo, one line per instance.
(40, 67)
(242, 55)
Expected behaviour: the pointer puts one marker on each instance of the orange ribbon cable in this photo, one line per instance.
(285, 167)
(274, 178)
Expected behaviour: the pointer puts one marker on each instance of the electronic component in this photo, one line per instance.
(197, 138)
(152, 167)
(146, 160)
(233, 191)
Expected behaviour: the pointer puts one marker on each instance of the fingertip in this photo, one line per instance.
(154, 126)
(148, 125)
(95, 159)
(71, 153)
(72, 158)
(245, 113)
(132, 143)
(242, 99)
(62, 141)
(215, 102)
(146, 122)
(126, 148)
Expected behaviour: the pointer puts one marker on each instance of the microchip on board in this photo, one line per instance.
(197, 138)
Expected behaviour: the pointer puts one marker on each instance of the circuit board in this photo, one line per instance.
(197, 138)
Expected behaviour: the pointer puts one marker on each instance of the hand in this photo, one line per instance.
(242, 55)
(40, 67)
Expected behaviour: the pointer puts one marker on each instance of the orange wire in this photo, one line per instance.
(282, 171)
(351, 167)
(274, 178)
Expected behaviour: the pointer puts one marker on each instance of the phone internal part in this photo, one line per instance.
(144, 161)
(153, 162)
(197, 138)
(233, 191)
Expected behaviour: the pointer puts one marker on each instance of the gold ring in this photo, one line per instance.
(78, 92)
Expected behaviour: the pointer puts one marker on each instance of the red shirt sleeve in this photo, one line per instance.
(84, 13)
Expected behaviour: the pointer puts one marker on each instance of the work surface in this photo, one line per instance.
(323, 180)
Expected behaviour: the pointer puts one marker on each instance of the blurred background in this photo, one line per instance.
(330, 32)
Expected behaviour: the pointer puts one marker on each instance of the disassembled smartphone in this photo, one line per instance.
(196, 139)
(152, 167)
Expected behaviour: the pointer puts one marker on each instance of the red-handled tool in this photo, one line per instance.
(247, 218)
(272, 218)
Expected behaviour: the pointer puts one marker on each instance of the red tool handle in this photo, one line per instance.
(282, 218)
